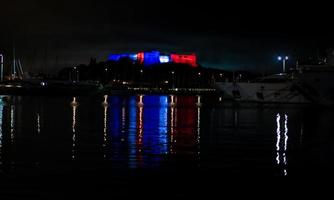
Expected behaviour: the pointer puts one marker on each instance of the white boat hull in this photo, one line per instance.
(261, 92)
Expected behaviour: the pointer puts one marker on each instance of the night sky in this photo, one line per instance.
(53, 34)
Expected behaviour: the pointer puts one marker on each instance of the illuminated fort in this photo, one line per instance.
(150, 58)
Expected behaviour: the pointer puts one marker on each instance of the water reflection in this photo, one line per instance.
(74, 105)
(149, 125)
(38, 123)
(12, 122)
(105, 117)
(155, 137)
(136, 131)
(132, 139)
(199, 124)
(282, 140)
(145, 131)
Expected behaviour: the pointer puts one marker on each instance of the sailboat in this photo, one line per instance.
(20, 83)
(277, 88)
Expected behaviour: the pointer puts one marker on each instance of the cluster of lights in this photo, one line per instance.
(281, 58)
(174, 89)
(155, 57)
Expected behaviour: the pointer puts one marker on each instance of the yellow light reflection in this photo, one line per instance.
(74, 117)
(172, 127)
(105, 118)
(140, 125)
(199, 123)
(38, 123)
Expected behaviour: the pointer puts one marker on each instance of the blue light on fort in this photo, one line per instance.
(151, 58)
(118, 57)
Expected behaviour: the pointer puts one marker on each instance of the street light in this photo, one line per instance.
(173, 79)
(199, 79)
(76, 75)
(284, 59)
(106, 74)
(141, 77)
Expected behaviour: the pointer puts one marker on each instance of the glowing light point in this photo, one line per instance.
(164, 59)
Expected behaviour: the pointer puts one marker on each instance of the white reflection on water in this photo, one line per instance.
(74, 117)
(105, 122)
(140, 130)
(281, 153)
(123, 123)
(286, 133)
(38, 123)
(278, 131)
(140, 126)
(12, 123)
(172, 124)
(198, 123)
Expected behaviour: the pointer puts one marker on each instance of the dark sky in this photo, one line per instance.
(55, 33)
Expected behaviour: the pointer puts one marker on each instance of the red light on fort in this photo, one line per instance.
(140, 57)
(185, 59)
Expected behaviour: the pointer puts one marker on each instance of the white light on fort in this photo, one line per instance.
(164, 59)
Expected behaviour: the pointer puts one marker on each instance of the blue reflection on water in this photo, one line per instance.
(115, 115)
(115, 111)
(138, 128)
(163, 125)
(155, 126)
(132, 138)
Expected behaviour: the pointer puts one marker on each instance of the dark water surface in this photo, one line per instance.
(130, 139)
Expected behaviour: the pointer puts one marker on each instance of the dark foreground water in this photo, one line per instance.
(118, 143)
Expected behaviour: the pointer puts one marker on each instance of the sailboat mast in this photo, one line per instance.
(14, 62)
(1, 63)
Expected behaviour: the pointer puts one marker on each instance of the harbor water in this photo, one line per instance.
(126, 138)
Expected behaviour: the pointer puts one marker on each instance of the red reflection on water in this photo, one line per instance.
(182, 132)
(184, 124)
